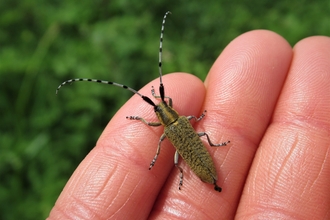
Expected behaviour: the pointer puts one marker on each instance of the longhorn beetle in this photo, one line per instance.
(177, 129)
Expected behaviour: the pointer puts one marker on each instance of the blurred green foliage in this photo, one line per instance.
(42, 43)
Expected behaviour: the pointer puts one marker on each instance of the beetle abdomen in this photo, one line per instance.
(190, 147)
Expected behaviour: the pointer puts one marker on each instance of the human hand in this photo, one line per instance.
(271, 101)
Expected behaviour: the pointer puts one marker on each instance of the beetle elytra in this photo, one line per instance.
(177, 129)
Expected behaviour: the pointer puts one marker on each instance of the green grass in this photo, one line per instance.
(42, 43)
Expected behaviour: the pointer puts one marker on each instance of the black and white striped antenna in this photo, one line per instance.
(145, 98)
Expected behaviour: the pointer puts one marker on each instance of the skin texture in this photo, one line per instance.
(270, 100)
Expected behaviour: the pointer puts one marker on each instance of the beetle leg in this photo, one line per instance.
(144, 121)
(158, 151)
(210, 143)
(197, 119)
(176, 161)
(170, 103)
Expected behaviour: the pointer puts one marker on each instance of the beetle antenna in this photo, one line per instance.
(145, 98)
(161, 86)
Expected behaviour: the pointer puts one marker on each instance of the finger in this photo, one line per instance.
(290, 175)
(113, 181)
(242, 89)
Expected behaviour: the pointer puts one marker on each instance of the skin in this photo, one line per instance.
(270, 100)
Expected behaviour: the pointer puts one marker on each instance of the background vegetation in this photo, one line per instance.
(42, 43)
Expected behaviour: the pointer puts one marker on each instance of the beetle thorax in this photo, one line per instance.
(166, 114)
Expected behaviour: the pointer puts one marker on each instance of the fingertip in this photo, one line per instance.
(245, 52)
(246, 80)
